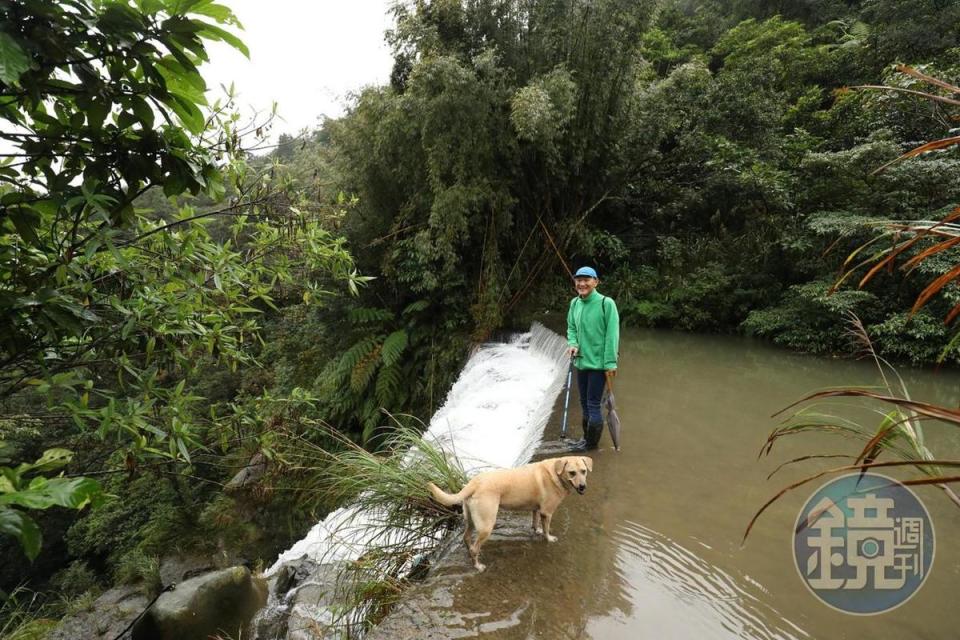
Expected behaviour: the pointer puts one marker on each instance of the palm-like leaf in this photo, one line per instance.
(858, 467)
(899, 433)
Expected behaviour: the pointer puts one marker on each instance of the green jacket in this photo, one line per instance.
(593, 326)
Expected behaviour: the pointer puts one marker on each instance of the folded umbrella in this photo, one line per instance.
(613, 420)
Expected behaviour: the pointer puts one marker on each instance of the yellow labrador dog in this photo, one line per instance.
(539, 487)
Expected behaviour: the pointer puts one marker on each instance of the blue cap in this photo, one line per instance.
(585, 272)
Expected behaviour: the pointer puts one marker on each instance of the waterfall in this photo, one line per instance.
(493, 417)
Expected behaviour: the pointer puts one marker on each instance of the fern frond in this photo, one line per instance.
(370, 419)
(370, 315)
(364, 370)
(389, 382)
(356, 353)
(414, 307)
(394, 346)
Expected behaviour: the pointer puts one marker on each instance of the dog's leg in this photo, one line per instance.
(484, 517)
(536, 521)
(467, 527)
(546, 517)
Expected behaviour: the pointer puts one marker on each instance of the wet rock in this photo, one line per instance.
(177, 569)
(202, 605)
(106, 618)
(249, 474)
(426, 610)
(291, 575)
(301, 593)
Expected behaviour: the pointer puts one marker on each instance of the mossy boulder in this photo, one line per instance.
(201, 606)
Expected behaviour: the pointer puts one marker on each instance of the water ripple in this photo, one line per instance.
(691, 591)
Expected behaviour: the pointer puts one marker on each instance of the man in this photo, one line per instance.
(593, 333)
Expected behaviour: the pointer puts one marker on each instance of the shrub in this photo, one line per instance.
(918, 339)
(809, 319)
(75, 580)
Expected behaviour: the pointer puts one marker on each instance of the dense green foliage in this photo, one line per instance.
(139, 251)
(179, 306)
(709, 157)
(764, 164)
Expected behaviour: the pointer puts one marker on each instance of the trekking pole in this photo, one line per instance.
(566, 401)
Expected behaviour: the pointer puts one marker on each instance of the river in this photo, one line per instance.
(653, 549)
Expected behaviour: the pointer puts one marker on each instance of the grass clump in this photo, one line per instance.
(391, 525)
(24, 615)
(139, 567)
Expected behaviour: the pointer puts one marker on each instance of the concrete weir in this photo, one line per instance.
(493, 417)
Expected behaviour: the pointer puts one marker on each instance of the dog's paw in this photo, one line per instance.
(480, 567)
(538, 531)
(551, 538)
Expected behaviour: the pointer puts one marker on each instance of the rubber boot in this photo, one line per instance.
(581, 444)
(593, 432)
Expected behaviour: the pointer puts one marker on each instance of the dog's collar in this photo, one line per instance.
(557, 480)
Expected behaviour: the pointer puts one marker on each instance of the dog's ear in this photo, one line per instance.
(559, 465)
(589, 462)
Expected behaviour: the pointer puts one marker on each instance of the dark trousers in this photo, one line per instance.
(591, 383)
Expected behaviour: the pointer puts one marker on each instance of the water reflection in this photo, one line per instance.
(653, 548)
(679, 593)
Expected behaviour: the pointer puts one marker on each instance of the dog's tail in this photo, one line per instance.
(450, 499)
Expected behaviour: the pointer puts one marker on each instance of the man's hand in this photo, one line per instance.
(611, 374)
(572, 352)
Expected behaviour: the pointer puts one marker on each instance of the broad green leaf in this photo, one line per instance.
(26, 221)
(216, 33)
(23, 528)
(218, 12)
(52, 459)
(97, 113)
(11, 478)
(119, 17)
(72, 493)
(187, 81)
(13, 60)
(188, 112)
(143, 111)
(151, 6)
(179, 7)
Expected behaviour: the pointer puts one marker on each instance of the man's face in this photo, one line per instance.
(585, 285)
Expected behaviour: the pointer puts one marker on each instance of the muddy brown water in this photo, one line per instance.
(652, 550)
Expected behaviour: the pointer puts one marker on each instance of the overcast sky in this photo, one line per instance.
(307, 55)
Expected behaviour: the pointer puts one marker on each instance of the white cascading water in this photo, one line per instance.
(493, 417)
